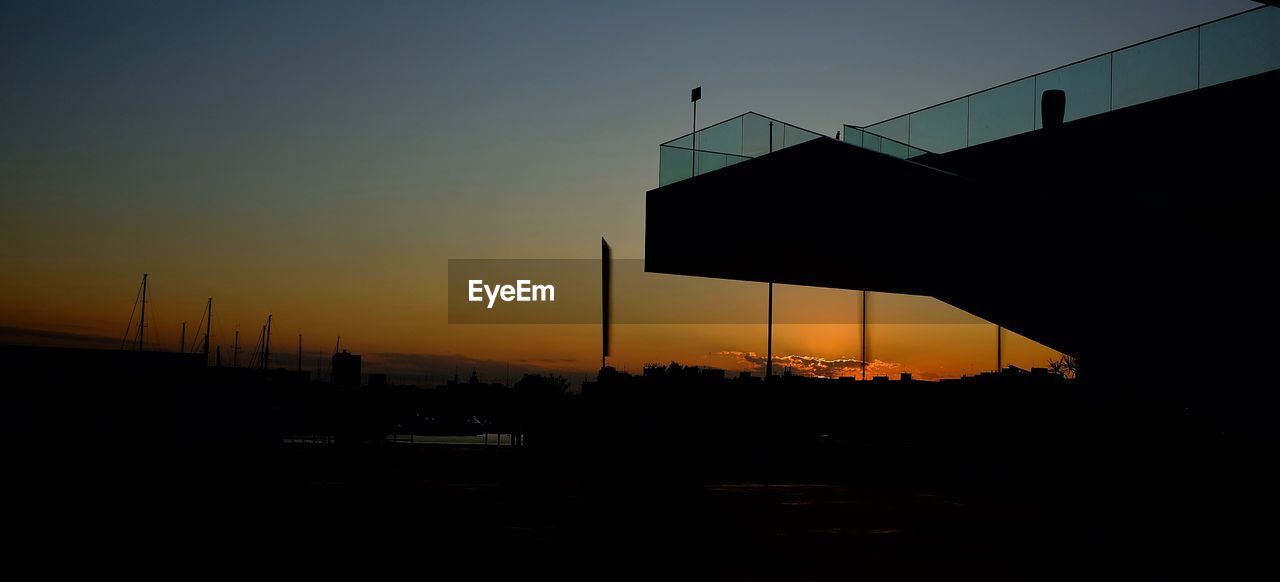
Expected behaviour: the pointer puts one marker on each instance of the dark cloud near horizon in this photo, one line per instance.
(805, 365)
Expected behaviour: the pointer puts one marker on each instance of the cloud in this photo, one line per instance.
(805, 365)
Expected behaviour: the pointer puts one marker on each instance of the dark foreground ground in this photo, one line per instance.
(117, 464)
(825, 511)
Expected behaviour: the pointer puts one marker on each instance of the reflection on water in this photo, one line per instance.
(470, 440)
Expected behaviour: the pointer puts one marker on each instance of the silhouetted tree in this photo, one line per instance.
(539, 387)
(1065, 366)
(537, 398)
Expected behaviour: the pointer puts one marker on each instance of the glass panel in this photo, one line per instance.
(726, 143)
(1087, 85)
(902, 327)
(1001, 112)
(755, 136)
(731, 160)
(674, 164)
(867, 140)
(1026, 353)
(711, 161)
(792, 135)
(853, 135)
(1155, 69)
(682, 142)
(940, 128)
(893, 148)
(872, 142)
(724, 137)
(1241, 46)
(893, 129)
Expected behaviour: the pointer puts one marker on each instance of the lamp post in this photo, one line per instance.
(694, 96)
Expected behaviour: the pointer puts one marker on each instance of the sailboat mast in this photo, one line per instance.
(266, 345)
(142, 319)
(208, 325)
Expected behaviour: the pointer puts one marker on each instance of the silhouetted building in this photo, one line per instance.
(346, 370)
(1057, 230)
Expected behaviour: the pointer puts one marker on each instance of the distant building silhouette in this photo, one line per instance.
(345, 370)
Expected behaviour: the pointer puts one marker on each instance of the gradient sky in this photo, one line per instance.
(322, 161)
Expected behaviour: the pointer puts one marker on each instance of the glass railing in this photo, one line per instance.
(726, 143)
(877, 143)
(1223, 50)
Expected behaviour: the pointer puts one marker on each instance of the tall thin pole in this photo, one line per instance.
(208, 324)
(695, 95)
(235, 350)
(768, 364)
(606, 306)
(863, 343)
(142, 319)
(182, 343)
(266, 345)
(999, 348)
(299, 351)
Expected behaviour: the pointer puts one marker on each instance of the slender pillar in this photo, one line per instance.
(999, 348)
(863, 344)
(768, 365)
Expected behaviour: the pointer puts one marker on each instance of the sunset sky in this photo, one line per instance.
(323, 161)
